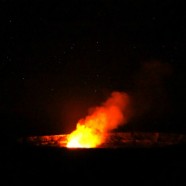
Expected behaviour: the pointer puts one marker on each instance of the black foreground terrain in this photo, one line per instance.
(30, 165)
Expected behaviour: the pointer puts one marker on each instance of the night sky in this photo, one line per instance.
(59, 58)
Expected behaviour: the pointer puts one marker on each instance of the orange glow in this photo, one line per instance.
(91, 131)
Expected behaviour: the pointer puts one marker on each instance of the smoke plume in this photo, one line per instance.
(90, 131)
(150, 97)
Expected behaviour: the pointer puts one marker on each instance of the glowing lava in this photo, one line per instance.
(91, 131)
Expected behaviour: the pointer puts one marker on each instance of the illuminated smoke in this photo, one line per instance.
(91, 131)
(150, 96)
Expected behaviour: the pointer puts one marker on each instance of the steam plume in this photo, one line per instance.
(90, 132)
(150, 96)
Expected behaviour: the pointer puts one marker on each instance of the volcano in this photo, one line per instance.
(115, 140)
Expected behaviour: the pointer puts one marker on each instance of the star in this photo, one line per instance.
(95, 90)
(97, 75)
(154, 18)
(134, 47)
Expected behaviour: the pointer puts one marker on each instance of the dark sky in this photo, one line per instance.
(58, 58)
